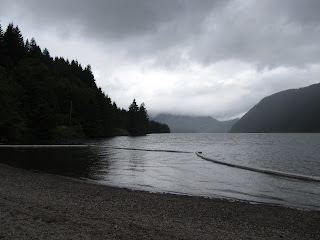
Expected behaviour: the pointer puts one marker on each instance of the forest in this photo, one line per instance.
(45, 97)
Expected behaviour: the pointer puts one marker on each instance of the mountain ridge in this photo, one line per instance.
(293, 110)
(194, 124)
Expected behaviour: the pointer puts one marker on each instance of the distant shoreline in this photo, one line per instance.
(36, 205)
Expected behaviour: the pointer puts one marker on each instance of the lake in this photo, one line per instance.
(110, 162)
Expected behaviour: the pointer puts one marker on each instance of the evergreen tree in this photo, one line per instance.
(35, 50)
(1, 45)
(89, 76)
(19, 37)
(133, 118)
(143, 119)
(46, 56)
(46, 53)
(133, 107)
(14, 44)
(27, 46)
(138, 119)
(1, 37)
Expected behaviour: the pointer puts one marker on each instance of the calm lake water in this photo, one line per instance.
(185, 173)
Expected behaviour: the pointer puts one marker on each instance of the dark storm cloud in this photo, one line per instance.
(114, 19)
(145, 26)
(266, 33)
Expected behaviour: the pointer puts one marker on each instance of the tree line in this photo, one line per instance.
(44, 97)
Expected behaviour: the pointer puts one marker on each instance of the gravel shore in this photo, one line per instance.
(35, 205)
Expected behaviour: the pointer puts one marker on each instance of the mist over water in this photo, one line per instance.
(110, 162)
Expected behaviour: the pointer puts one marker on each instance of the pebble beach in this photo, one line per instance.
(36, 205)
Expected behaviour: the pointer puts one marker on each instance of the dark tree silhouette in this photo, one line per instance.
(35, 50)
(13, 43)
(1, 45)
(1, 37)
(156, 127)
(133, 118)
(46, 53)
(143, 119)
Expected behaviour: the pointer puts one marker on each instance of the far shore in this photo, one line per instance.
(36, 205)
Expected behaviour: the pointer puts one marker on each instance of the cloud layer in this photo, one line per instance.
(207, 57)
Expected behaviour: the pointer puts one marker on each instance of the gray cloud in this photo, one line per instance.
(108, 18)
(266, 33)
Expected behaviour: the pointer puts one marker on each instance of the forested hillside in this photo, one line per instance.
(295, 110)
(44, 97)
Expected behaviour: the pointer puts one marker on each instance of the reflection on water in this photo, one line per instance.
(185, 173)
(73, 162)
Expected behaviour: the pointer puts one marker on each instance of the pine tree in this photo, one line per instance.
(46, 53)
(138, 119)
(133, 107)
(133, 118)
(143, 119)
(13, 41)
(1, 37)
(27, 46)
(35, 50)
(1, 40)
(19, 36)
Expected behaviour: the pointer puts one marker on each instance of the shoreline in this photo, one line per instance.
(35, 205)
(215, 198)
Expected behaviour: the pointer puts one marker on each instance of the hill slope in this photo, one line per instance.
(189, 124)
(295, 110)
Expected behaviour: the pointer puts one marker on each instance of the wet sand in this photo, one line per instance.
(36, 205)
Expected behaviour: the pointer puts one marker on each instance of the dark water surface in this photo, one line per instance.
(107, 162)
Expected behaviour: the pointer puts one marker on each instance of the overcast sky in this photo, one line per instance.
(215, 58)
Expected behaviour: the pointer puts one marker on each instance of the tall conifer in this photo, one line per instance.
(13, 42)
(1, 38)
